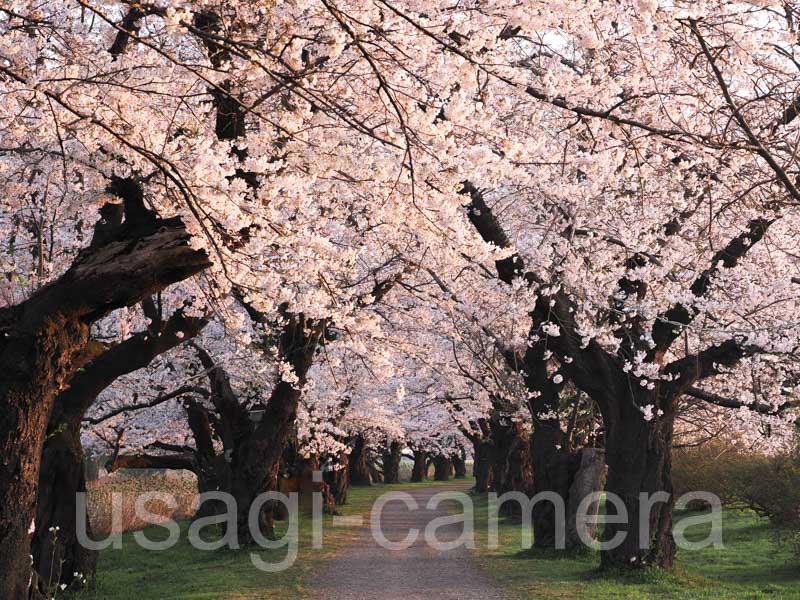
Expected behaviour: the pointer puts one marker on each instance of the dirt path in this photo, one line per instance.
(366, 570)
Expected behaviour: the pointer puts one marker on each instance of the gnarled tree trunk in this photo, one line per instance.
(256, 462)
(589, 478)
(639, 458)
(358, 468)
(441, 468)
(551, 473)
(338, 479)
(511, 457)
(57, 556)
(391, 463)
(40, 341)
(460, 464)
(482, 466)
(420, 469)
(375, 474)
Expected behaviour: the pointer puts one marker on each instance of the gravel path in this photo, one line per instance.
(366, 570)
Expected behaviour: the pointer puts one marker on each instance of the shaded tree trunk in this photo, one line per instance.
(441, 468)
(391, 463)
(639, 458)
(460, 465)
(212, 470)
(551, 473)
(375, 474)
(512, 466)
(338, 479)
(420, 469)
(57, 556)
(62, 474)
(482, 466)
(256, 460)
(357, 460)
(255, 464)
(40, 341)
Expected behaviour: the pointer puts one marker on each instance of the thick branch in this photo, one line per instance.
(706, 363)
(589, 366)
(669, 324)
(724, 402)
(235, 422)
(128, 356)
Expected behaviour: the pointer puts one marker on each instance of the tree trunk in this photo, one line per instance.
(391, 463)
(460, 465)
(212, 470)
(338, 478)
(256, 462)
(551, 473)
(420, 470)
(57, 556)
(441, 468)
(62, 474)
(34, 365)
(639, 458)
(512, 466)
(358, 468)
(482, 466)
(375, 473)
(40, 340)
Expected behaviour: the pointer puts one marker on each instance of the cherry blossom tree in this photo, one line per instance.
(490, 204)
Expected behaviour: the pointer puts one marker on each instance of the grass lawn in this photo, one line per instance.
(185, 573)
(750, 566)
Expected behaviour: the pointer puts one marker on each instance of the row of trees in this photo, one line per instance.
(238, 233)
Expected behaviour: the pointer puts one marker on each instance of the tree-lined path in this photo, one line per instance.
(367, 570)
(256, 239)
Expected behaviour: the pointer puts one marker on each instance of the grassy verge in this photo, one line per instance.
(185, 573)
(749, 566)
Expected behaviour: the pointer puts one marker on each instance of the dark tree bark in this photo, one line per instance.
(511, 457)
(338, 479)
(57, 559)
(460, 464)
(357, 463)
(482, 467)
(41, 339)
(256, 460)
(551, 473)
(441, 468)
(212, 470)
(391, 463)
(420, 469)
(639, 457)
(550, 454)
(58, 556)
(589, 478)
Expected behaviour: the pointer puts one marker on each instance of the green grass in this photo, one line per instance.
(185, 573)
(749, 566)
